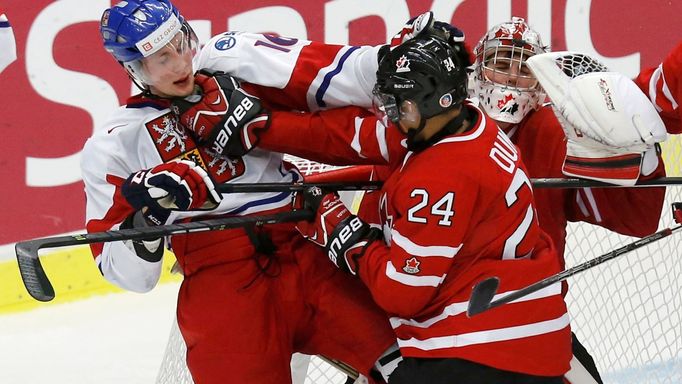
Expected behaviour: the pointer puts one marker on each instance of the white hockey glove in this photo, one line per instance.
(608, 121)
(412, 28)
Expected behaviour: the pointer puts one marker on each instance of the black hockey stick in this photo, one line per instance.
(294, 187)
(583, 183)
(481, 298)
(375, 185)
(38, 285)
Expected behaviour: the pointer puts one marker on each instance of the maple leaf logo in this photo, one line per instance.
(412, 266)
(503, 102)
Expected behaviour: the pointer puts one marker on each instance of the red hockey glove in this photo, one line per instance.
(179, 185)
(223, 117)
(343, 235)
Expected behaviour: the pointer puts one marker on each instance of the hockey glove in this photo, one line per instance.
(147, 249)
(610, 125)
(343, 235)
(177, 185)
(414, 27)
(425, 24)
(223, 117)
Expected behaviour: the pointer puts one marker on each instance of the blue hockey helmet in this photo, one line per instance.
(136, 29)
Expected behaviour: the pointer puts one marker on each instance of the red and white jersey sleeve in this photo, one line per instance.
(543, 145)
(144, 134)
(452, 215)
(298, 74)
(340, 136)
(8, 47)
(663, 84)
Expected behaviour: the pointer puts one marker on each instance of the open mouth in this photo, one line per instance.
(182, 81)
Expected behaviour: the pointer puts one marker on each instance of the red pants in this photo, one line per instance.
(242, 326)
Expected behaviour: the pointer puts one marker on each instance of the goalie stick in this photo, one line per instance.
(483, 294)
(39, 287)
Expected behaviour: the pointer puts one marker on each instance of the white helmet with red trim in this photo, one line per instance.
(503, 83)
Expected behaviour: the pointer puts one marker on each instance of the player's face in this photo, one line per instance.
(169, 71)
(508, 67)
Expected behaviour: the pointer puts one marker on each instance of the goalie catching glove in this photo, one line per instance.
(343, 235)
(176, 185)
(610, 125)
(222, 116)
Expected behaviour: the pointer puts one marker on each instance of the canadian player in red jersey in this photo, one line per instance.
(663, 85)
(457, 207)
(250, 297)
(509, 94)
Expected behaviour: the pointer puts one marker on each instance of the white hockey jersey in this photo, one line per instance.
(144, 133)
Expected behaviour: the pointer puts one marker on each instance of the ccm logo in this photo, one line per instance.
(232, 122)
(339, 241)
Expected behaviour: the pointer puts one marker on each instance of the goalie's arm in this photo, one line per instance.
(663, 86)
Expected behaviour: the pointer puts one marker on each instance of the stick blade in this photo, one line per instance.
(32, 273)
(482, 295)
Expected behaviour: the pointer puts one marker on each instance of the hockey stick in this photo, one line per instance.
(38, 285)
(583, 183)
(375, 185)
(482, 296)
(341, 366)
(294, 187)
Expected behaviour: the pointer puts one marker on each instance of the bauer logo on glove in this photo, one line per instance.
(222, 116)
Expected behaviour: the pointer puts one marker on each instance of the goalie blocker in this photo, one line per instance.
(611, 126)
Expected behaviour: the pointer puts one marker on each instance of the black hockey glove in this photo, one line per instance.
(223, 117)
(343, 235)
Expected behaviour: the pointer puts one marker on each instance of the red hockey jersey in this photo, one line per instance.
(663, 84)
(452, 215)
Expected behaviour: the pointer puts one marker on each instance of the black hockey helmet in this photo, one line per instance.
(425, 70)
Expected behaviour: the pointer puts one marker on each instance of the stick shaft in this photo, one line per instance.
(39, 287)
(561, 276)
(582, 183)
(538, 183)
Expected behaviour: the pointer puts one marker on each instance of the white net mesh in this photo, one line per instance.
(576, 64)
(627, 312)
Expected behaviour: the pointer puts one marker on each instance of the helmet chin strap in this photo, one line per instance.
(451, 127)
(413, 145)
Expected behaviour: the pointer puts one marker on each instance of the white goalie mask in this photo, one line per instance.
(503, 83)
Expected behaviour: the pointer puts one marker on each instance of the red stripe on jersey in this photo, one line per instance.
(119, 211)
(294, 95)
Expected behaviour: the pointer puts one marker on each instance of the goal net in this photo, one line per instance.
(626, 312)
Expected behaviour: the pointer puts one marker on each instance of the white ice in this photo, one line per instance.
(117, 338)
